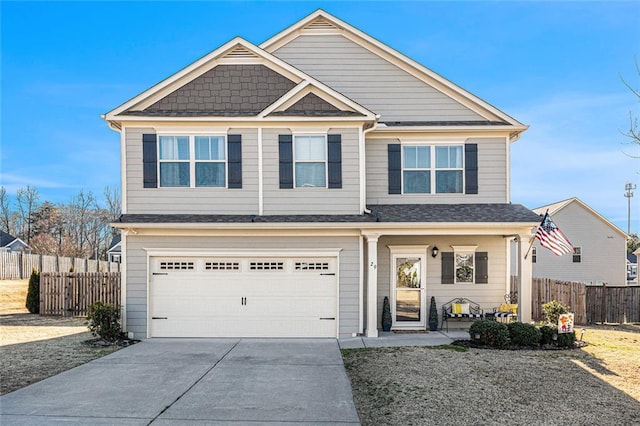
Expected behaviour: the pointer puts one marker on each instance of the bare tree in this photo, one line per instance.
(27, 201)
(5, 211)
(634, 130)
(113, 207)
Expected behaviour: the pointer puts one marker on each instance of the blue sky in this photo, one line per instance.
(554, 66)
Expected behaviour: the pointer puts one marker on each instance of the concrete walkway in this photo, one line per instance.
(194, 381)
(389, 339)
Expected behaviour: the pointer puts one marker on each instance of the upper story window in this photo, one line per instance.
(310, 158)
(192, 161)
(577, 254)
(422, 175)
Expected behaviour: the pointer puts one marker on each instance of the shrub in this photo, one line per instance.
(566, 340)
(104, 321)
(553, 310)
(522, 334)
(547, 332)
(33, 293)
(386, 315)
(490, 333)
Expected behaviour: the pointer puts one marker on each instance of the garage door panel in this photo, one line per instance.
(275, 297)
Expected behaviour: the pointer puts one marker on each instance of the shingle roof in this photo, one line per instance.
(166, 113)
(5, 238)
(394, 213)
(115, 241)
(338, 113)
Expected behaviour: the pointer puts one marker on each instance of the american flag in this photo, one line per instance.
(552, 238)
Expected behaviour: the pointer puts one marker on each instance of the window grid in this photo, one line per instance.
(196, 166)
(534, 255)
(311, 266)
(443, 163)
(222, 266)
(177, 265)
(266, 266)
(464, 264)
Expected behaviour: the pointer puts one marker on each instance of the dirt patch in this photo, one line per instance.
(599, 385)
(34, 347)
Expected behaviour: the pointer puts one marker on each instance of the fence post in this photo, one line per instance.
(603, 304)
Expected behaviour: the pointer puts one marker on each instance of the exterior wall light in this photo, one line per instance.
(434, 251)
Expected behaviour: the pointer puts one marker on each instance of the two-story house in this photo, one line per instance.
(285, 189)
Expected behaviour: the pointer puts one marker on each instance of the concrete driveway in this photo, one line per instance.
(194, 381)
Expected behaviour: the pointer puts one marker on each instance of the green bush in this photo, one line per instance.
(490, 333)
(547, 332)
(104, 321)
(522, 334)
(566, 340)
(386, 315)
(552, 311)
(33, 293)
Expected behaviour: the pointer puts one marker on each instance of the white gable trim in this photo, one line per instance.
(222, 55)
(556, 207)
(302, 90)
(407, 64)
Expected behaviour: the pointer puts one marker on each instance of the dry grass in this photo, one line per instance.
(481, 386)
(32, 347)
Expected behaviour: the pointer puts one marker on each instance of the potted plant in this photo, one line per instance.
(386, 315)
(433, 315)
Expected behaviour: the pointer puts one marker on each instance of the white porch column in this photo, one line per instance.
(372, 285)
(525, 274)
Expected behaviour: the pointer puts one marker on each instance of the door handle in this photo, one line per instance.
(243, 301)
(329, 318)
(159, 318)
(328, 273)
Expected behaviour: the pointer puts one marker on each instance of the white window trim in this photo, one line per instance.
(432, 169)
(581, 253)
(326, 159)
(464, 250)
(192, 158)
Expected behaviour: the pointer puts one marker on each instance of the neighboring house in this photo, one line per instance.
(599, 245)
(632, 269)
(9, 243)
(285, 189)
(114, 252)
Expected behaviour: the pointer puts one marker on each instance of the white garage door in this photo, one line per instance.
(243, 297)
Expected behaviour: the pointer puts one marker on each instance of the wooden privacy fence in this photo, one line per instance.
(70, 293)
(590, 304)
(613, 304)
(18, 265)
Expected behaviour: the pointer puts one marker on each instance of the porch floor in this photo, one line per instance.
(390, 339)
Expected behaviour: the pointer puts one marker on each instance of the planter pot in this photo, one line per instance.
(433, 326)
(386, 327)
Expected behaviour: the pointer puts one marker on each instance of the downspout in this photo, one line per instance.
(363, 167)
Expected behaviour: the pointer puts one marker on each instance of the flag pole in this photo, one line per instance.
(534, 238)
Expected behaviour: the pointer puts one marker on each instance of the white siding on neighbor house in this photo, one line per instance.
(345, 200)
(492, 175)
(603, 250)
(371, 80)
(488, 295)
(137, 274)
(192, 200)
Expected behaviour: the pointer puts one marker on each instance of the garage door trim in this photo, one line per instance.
(243, 253)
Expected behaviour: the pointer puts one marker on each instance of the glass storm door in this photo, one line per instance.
(408, 308)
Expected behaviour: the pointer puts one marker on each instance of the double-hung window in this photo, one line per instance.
(174, 161)
(310, 158)
(192, 161)
(432, 169)
(210, 160)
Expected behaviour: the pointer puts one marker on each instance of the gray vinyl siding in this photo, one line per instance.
(492, 175)
(345, 200)
(488, 295)
(137, 273)
(192, 200)
(371, 80)
(603, 250)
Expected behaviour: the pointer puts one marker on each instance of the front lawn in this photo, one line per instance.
(598, 384)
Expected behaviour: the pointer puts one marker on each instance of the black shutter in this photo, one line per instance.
(448, 270)
(285, 144)
(395, 169)
(334, 157)
(471, 168)
(234, 161)
(482, 267)
(149, 161)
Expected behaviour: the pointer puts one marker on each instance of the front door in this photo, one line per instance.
(408, 305)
